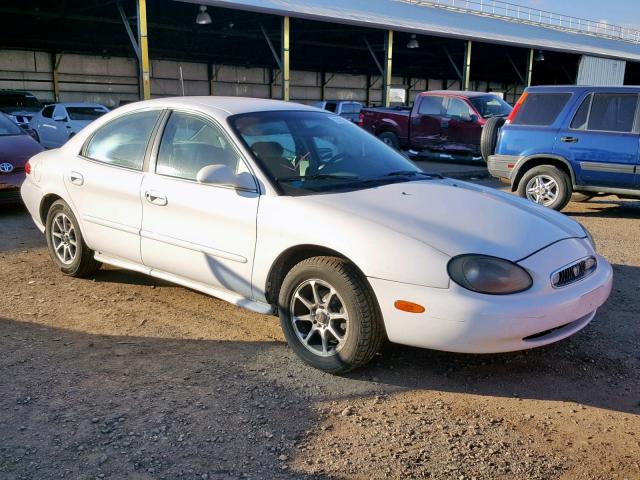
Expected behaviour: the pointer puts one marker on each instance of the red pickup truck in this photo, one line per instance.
(444, 123)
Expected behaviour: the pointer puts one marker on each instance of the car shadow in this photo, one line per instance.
(609, 209)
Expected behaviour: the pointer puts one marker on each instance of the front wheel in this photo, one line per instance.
(65, 242)
(546, 185)
(329, 315)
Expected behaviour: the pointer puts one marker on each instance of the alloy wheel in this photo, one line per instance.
(542, 189)
(63, 237)
(319, 317)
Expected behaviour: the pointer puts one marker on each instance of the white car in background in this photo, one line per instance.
(276, 206)
(57, 123)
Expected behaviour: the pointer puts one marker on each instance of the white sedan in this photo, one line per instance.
(279, 207)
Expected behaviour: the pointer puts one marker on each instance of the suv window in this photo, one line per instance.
(350, 108)
(190, 143)
(457, 108)
(579, 121)
(541, 108)
(47, 112)
(331, 106)
(431, 105)
(123, 141)
(613, 112)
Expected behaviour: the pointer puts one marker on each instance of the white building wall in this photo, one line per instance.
(600, 71)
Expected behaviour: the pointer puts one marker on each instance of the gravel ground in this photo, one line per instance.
(125, 377)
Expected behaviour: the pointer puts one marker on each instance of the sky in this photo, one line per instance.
(619, 12)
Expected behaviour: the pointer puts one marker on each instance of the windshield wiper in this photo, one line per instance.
(411, 173)
(317, 176)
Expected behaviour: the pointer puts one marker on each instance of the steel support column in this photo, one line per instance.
(55, 63)
(532, 54)
(145, 81)
(388, 64)
(284, 59)
(466, 71)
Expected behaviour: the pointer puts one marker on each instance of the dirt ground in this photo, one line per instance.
(125, 377)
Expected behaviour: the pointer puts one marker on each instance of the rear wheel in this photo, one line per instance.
(329, 315)
(489, 138)
(546, 185)
(65, 242)
(390, 139)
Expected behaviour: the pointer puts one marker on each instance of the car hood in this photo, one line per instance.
(17, 149)
(456, 217)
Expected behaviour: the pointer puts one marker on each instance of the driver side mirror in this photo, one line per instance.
(223, 175)
(473, 118)
(59, 118)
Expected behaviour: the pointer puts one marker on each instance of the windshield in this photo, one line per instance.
(308, 152)
(491, 106)
(19, 101)
(85, 113)
(7, 127)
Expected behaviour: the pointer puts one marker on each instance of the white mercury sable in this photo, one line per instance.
(272, 205)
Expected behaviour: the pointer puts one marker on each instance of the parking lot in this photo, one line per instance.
(123, 376)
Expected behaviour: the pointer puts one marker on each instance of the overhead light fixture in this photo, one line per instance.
(540, 56)
(203, 17)
(413, 43)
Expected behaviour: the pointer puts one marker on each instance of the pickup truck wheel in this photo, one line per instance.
(390, 139)
(329, 315)
(489, 137)
(546, 185)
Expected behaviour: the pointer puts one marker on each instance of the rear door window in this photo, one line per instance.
(541, 108)
(579, 121)
(613, 112)
(431, 105)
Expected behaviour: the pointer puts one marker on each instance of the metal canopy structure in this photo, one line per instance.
(420, 17)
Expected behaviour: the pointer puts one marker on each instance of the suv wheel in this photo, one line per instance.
(546, 185)
(329, 315)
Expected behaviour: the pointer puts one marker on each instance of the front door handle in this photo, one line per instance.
(569, 140)
(76, 178)
(155, 197)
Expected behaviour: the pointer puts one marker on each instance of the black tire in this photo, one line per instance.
(83, 262)
(561, 179)
(364, 333)
(489, 137)
(390, 139)
(582, 197)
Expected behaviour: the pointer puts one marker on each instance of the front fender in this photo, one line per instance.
(376, 250)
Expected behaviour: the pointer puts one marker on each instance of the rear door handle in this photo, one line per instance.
(76, 178)
(569, 140)
(155, 197)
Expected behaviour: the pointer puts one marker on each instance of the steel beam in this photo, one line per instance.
(532, 54)
(515, 68)
(388, 65)
(284, 59)
(55, 62)
(145, 81)
(127, 27)
(466, 71)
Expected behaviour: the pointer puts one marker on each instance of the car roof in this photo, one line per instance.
(77, 104)
(224, 105)
(583, 88)
(457, 93)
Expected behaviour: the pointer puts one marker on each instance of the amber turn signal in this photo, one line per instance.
(409, 307)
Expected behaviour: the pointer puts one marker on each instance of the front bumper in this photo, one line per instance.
(458, 320)
(502, 166)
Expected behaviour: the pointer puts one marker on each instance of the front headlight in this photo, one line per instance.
(486, 274)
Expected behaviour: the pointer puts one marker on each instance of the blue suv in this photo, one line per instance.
(560, 141)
